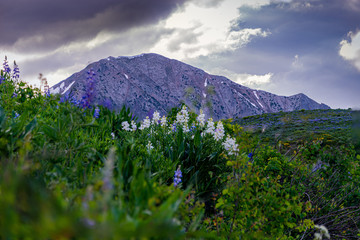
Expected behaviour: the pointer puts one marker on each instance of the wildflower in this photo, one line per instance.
(322, 232)
(210, 127)
(201, 118)
(219, 132)
(133, 126)
(173, 127)
(16, 72)
(182, 117)
(96, 112)
(230, 145)
(145, 124)
(74, 101)
(14, 95)
(156, 117)
(6, 66)
(64, 98)
(163, 121)
(47, 93)
(16, 115)
(112, 136)
(126, 126)
(250, 155)
(177, 177)
(90, 87)
(149, 146)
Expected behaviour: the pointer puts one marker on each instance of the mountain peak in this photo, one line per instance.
(150, 81)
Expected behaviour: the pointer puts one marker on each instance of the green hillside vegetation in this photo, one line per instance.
(71, 170)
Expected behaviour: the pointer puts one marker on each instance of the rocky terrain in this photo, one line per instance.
(151, 82)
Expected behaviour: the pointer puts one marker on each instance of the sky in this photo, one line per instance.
(281, 46)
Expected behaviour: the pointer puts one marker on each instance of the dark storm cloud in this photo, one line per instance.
(42, 24)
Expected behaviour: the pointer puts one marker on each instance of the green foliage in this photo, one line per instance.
(65, 174)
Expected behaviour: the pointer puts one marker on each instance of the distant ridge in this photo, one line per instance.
(149, 82)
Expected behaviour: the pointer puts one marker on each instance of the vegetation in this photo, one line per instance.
(71, 170)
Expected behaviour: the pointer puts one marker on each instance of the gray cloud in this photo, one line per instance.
(40, 25)
(208, 3)
(312, 30)
(183, 36)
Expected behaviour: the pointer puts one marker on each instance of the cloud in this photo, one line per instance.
(60, 63)
(208, 3)
(350, 49)
(43, 25)
(248, 80)
(199, 31)
(297, 63)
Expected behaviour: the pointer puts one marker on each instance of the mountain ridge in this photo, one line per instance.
(149, 82)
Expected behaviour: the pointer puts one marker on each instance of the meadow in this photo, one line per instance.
(73, 170)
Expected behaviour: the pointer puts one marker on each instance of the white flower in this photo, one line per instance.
(163, 121)
(201, 118)
(210, 127)
(219, 131)
(323, 232)
(126, 126)
(112, 136)
(133, 126)
(156, 117)
(145, 124)
(149, 146)
(230, 145)
(182, 117)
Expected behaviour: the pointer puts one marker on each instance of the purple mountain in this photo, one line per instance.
(149, 82)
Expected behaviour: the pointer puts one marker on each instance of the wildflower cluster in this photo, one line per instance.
(216, 131)
(126, 126)
(182, 119)
(16, 72)
(6, 66)
(177, 177)
(87, 100)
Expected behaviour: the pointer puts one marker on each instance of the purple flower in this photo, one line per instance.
(177, 177)
(16, 115)
(87, 99)
(6, 66)
(47, 93)
(96, 113)
(14, 95)
(2, 79)
(16, 72)
(64, 98)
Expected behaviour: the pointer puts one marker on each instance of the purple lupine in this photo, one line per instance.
(64, 98)
(177, 177)
(16, 72)
(90, 89)
(47, 93)
(96, 112)
(6, 66)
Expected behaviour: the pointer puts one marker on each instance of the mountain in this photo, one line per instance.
(149, 82)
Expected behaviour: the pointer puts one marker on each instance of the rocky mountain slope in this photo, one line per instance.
(151, 82)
